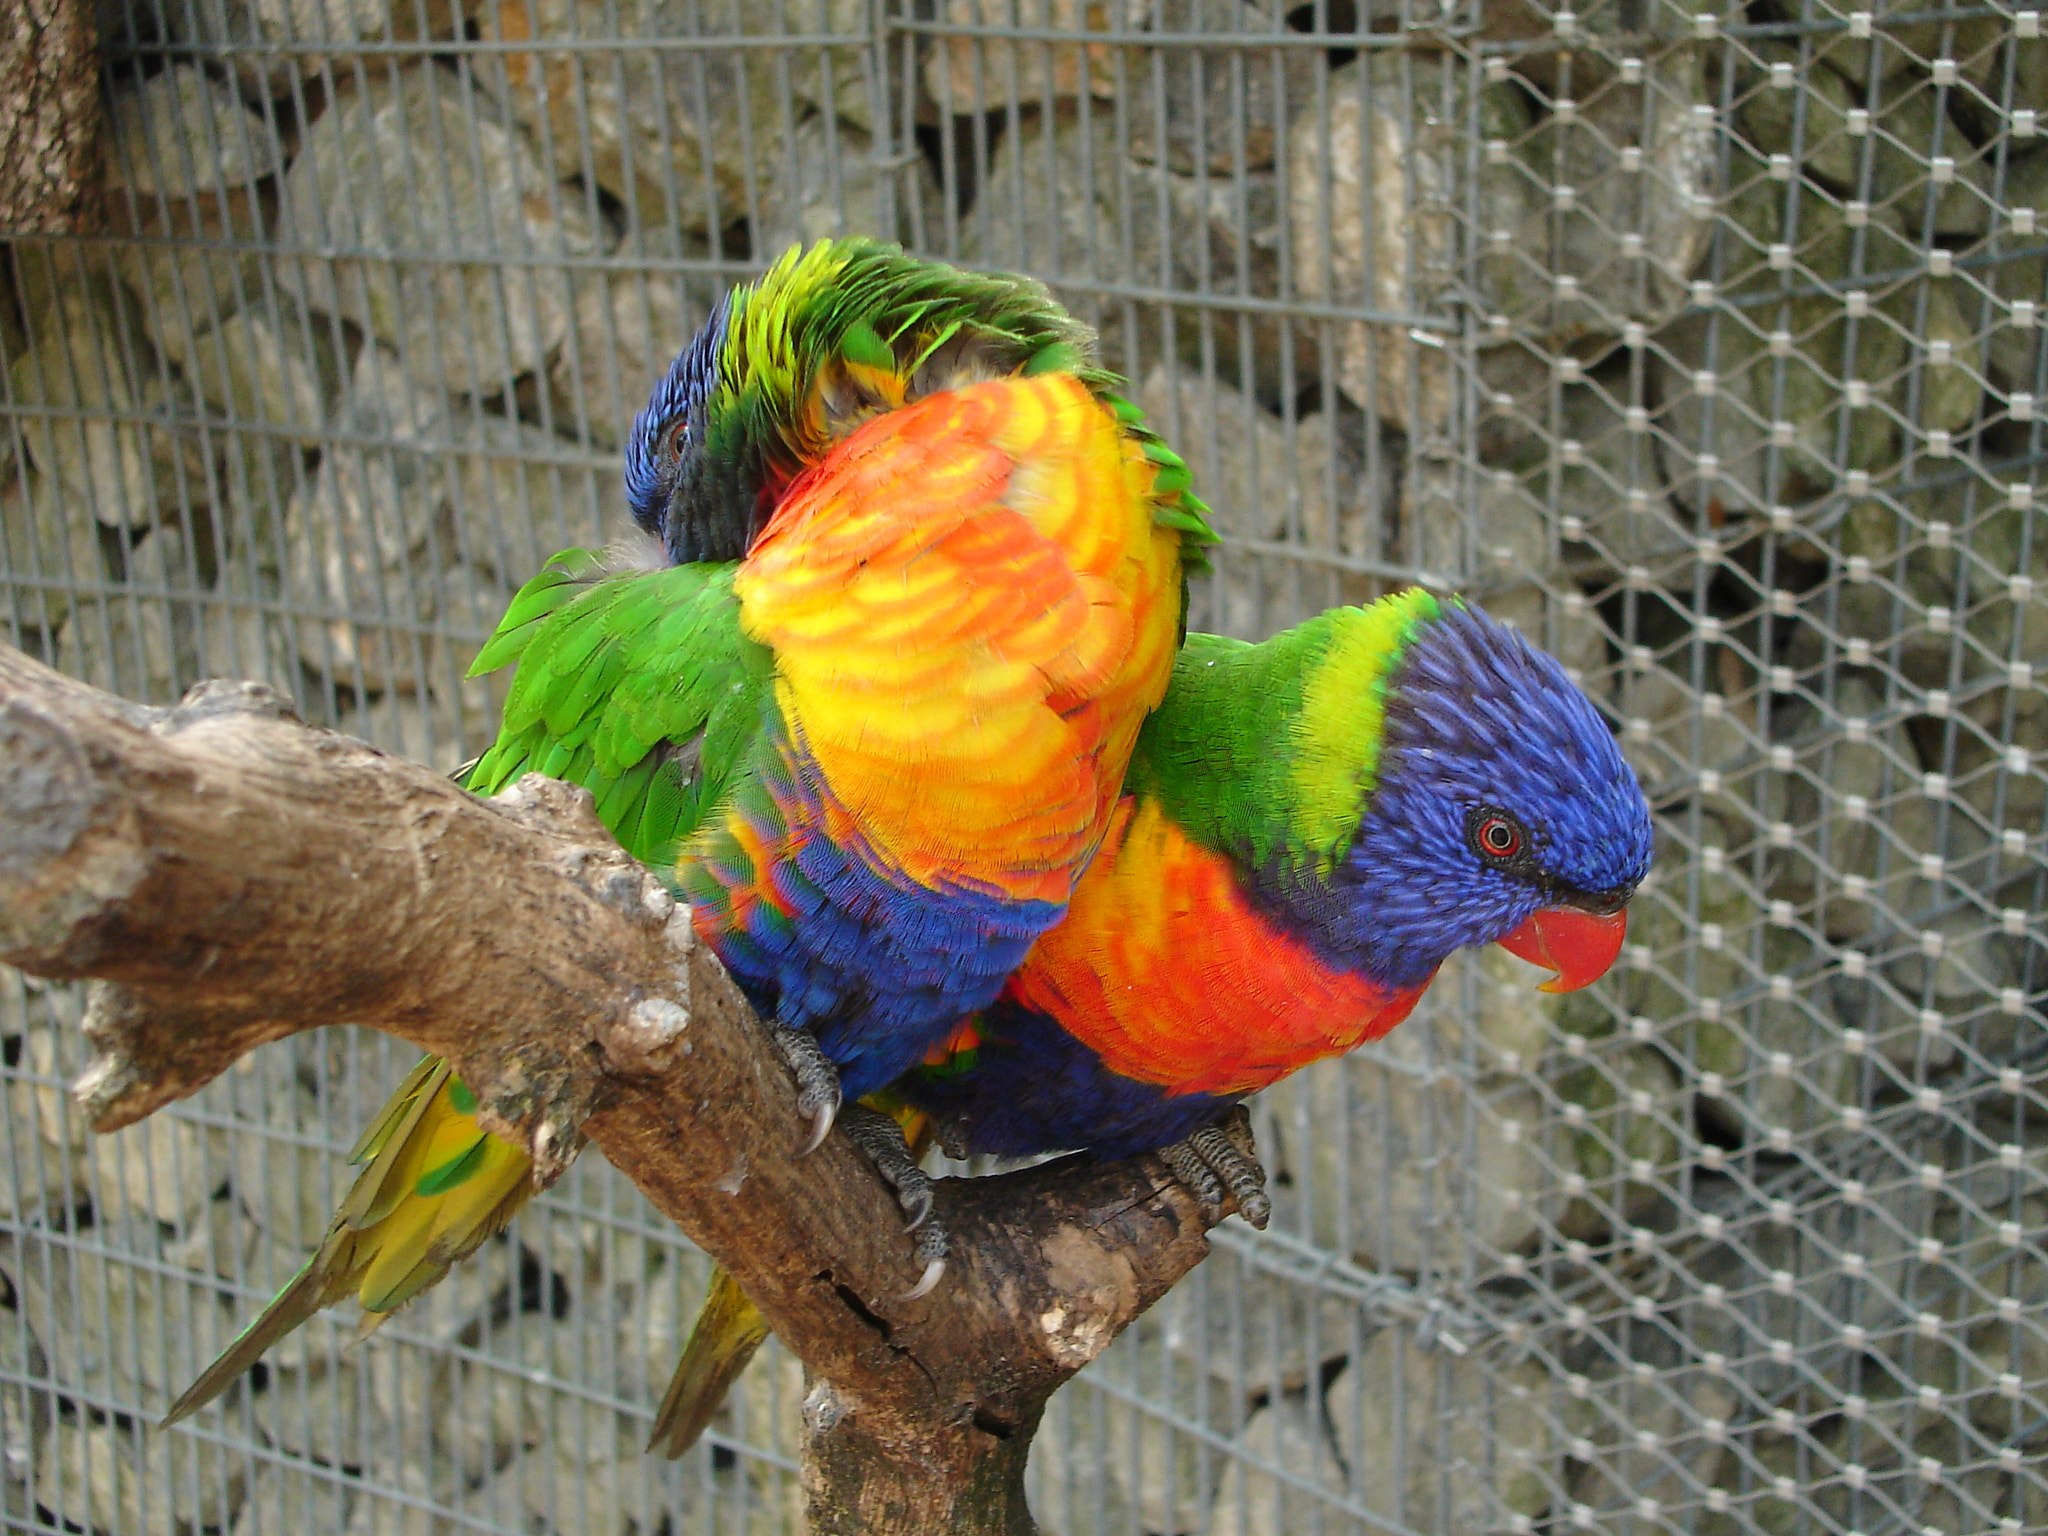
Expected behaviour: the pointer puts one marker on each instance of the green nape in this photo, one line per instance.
(1269, 751)
(824, 320)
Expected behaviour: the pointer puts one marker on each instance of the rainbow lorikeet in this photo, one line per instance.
(1310, 827)
(918, 579)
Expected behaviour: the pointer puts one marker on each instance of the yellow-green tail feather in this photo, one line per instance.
(729, 1329)
(435, 1186)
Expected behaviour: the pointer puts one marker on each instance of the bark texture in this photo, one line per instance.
(228, 876)
(49, 114)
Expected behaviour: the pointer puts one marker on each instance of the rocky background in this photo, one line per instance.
(1704, 343)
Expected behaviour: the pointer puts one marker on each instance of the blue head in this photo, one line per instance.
(698, 503)
(1502, 811)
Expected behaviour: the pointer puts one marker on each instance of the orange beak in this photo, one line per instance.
(1579, 946)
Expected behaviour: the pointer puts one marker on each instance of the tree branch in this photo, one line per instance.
(49, 115)
(230, 876)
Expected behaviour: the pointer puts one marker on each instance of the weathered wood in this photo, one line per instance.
(230, 876)
(49, 115)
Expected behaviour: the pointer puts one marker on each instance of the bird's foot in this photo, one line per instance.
(881, 1138)
(1220, 1167)
(817, 1080)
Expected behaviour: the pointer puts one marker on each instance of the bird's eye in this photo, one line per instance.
(678, 437)
(1498, 838)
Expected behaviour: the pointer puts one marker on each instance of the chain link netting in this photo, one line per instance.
(1703, 343)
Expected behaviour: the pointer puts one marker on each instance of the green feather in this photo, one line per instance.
(439, 1180)
(615, 671)
(862, 343)
(1268, 752)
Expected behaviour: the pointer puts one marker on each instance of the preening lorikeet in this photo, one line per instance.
(1310, 827)
(926, 582)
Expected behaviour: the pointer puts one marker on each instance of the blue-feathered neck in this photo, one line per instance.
(1476, 719)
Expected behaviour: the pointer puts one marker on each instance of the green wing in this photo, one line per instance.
(639, 686)
(636, 684)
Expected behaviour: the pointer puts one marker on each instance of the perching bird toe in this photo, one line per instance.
(1221, 1170)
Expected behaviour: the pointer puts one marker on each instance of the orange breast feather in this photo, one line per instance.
(1165, 971)
(971, 611)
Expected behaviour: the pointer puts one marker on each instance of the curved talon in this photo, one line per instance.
(823, 1117)
(934, 1272)
(917, 1202)
(817, 1081)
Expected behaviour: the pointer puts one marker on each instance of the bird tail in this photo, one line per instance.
(435, 1186)
(729, 1329)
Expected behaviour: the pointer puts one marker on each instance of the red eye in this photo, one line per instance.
(678, 437)
(1499, 838)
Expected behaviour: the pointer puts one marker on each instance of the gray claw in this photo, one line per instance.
(817, 1081)
(1221, 1170)
(881, 1138)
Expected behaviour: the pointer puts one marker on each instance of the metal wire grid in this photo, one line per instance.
(1623, 320)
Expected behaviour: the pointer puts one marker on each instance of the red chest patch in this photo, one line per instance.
(1167, 972)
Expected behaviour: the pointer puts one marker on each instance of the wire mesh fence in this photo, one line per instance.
(1704, 343)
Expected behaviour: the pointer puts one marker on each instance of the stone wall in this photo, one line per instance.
(1706, 345)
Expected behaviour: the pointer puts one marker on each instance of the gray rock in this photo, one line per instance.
(85, 355)
(165, 1168)
(1669, 734)
(1622, 1113)
(1562, 623)
(1945, 395)
(182, 134)
(1288, 1434)
(1075, 206)
(413, 165)
(828, 183)
(26, 1412)
(281, 372)
(966, 74)
(1606, 208)
(1433, 1441)
(379, 536)
(116, 1331)
(548, 1489)
(514, 1405)
(239, 637)
(351, 1411)
(137, 640)
(1399, 1161)
(1101, 1450)
(625, 328)
(1262, 477)
(218, 1241)
(42, 1167)
(1805, 117)
(656, 1322)
(1909, 133)
(105, 1478)
(1645, 1440)
(266, 42)
(1253, 1331)
(399, 1500)
(1358, 240)
(286, 1186)
(1603, 481)
(675, 133)
(1725, 393)
(1074, 1483)
(2014, 350)
(51, 544)
(283, 1498)
(1185, 104)
(1902, 39)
